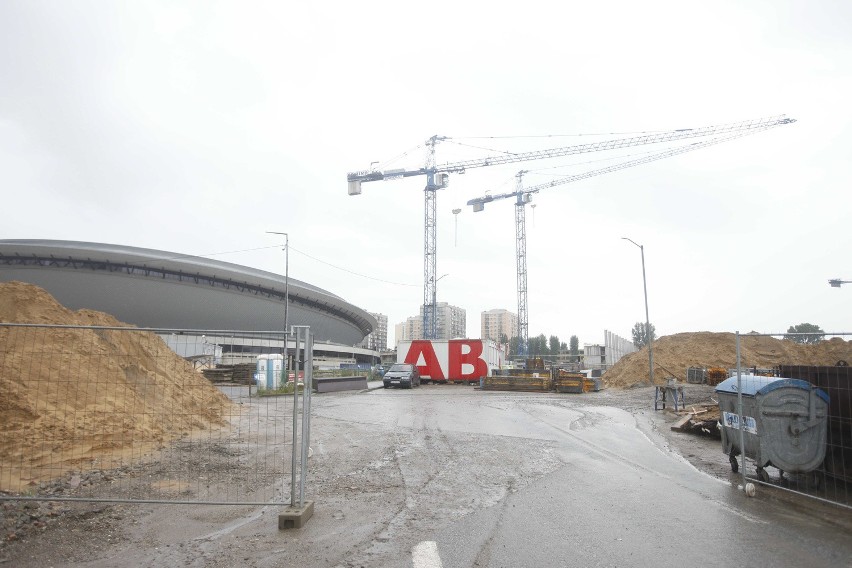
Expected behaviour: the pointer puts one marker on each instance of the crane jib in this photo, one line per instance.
(670, 136)
(437, 179)
(480, 201)
(383, 176)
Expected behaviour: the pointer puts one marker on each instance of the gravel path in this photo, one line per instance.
(380, 481)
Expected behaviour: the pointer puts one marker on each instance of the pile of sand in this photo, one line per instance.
(75, 398)
(673, 354)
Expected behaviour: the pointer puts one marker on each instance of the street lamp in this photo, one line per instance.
(648, 332)
(836, 282)
(456, 215)
(286, 296)
(435, 307)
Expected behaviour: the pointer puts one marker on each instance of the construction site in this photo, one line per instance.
(98, 411)
(93, 412)
(107, 427)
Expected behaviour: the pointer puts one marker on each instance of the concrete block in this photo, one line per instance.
(334, 384)
(294, 517)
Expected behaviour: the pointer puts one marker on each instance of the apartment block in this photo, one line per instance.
(495, 323)
(377, 340)
(451, 323)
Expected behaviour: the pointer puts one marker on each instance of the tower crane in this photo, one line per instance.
(524, 195)
(437, 177)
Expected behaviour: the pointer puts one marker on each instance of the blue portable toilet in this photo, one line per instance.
(268, 371)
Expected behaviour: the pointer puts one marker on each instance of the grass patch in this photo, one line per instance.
(284, 389)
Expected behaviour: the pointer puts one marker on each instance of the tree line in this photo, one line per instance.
(543, 346)
(806, 333)
(551, 348)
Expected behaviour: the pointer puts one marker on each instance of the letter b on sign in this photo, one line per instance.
(465, 361)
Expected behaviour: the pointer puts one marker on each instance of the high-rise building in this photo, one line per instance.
(410, 329)
(377, 340)
(450, 323)
(496, 323)
(398, 333)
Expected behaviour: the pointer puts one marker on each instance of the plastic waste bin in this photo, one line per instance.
(784, 423)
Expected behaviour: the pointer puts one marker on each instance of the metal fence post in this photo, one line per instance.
(306, 413)
(740, 412)
(295, 420)
(300, 510)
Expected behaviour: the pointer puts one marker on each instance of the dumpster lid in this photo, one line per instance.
(755, 384)
(751, 384)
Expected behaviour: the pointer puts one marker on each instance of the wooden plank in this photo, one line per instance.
(679, 425)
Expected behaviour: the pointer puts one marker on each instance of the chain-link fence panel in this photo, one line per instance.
(789, 424)
(146, 415)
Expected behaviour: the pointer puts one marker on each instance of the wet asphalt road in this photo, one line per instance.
(618, 499)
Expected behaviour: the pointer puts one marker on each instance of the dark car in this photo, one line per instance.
(403, 375)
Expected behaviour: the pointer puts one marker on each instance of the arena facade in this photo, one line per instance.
(166, 290)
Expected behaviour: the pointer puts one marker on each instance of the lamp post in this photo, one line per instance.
(435, 307)
(648, 332)
(286, 296)
(287, 368)
(456, 215)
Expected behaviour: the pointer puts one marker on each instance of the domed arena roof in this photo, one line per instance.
(159, 289)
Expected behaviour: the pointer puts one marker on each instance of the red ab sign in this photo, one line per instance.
(457, 359)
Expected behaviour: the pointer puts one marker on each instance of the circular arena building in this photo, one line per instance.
(165, 290)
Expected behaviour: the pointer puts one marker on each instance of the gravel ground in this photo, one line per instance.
(703, 452)
(353, 470)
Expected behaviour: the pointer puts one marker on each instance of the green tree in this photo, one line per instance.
(574, 348)
(538, 346)
(640, 334)
(503, 339)
(554, 346)
(794, 331)
(514, 346)
(533, 348)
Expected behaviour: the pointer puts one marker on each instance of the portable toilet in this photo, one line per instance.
(268, 371)
(260, 371)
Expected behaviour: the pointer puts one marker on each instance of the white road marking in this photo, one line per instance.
(425, 555)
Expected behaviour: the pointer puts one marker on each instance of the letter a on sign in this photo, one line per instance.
(431, 367)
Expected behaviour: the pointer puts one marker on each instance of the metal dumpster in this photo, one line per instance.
(785, 423)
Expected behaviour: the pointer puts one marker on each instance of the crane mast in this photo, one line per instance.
(521, 254)
(437, 178)
(430, 243)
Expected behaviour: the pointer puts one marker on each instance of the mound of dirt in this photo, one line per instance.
(73, 395)
(674, 354)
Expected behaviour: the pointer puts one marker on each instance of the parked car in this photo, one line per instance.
(404, 375)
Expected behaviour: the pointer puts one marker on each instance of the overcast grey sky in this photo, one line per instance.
(195, 127)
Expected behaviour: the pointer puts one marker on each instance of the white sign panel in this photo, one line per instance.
(732, 420)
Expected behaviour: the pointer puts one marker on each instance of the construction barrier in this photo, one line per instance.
(97, 413)
(576, 383)
(781, 434)
(518, 383)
